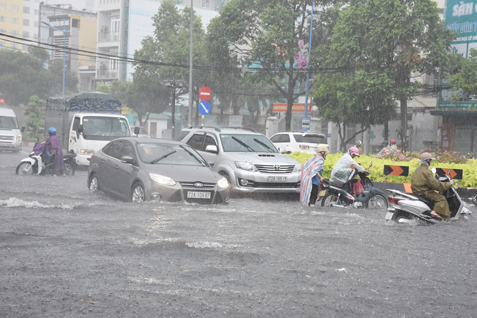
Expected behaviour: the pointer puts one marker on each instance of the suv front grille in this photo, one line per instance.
(275, 168)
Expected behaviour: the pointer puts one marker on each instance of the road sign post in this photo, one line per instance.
(305, 123)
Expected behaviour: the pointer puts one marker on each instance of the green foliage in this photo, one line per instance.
(103, 89)
(469, 168)
(466, 79)
(39, 52)
(36, 118)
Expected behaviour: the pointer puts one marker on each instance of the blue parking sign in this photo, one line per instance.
(204, 108)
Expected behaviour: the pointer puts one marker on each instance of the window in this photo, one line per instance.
(205, 3)
(128, 150)
(35, 24)
(114, 149)
(76, 23)
(15, 45)
(3, 31)
(15, 8)
(36, 11)
(196, 141)
(26, 9)
(26, 22)
(26, 34)
(3, 19)
(16, 20)
(15, 33)
(114, 64)
(3, 6)
(281, 138)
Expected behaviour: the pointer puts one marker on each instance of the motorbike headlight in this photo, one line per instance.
(162, 179)
(86, 151)
(246, 166)
(19, 137)
(298, 167)
(223, 183)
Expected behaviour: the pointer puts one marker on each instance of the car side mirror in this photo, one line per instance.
(127, 159)
(22, 129)
(137, 130)
(211, 164)
(281, 150)
(370, 164)
(212, 149)
(80, 128)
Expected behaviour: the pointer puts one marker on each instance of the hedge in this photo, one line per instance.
(377, 169)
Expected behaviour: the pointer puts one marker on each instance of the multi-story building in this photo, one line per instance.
(11, 23)
(122, 24)
(82, 36)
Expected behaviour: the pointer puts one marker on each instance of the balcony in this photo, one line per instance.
(104, 73)
(108, 36)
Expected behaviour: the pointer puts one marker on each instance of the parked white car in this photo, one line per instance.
(298, 141)
(140, 132)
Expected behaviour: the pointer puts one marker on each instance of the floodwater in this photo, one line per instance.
(67, 251)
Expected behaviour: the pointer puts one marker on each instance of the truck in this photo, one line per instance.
(85, 123)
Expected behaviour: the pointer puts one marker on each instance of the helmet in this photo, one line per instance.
(392, 141)
(323, 149)
(354, 150)
(426, 156)
(52, 130)
(359, 143)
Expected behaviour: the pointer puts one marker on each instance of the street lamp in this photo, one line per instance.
(64, 46)
(178, 88)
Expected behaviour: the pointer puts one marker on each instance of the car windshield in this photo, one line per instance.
(310, 138)
(161, 153)
(8, 122)
(105, 128)
(246, 143)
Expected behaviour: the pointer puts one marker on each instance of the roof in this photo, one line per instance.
(7, 112)
(227, 130)
(453, 112)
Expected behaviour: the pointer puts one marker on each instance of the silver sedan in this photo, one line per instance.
(139, 169)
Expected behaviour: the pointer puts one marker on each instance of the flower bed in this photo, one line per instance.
(469, 166)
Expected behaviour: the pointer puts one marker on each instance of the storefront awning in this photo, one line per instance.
(453, 112)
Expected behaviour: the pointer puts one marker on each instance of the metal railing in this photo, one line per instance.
(101, 73)
(108, 36)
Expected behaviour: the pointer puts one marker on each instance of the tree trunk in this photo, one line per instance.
(403, 123)
(386, 130)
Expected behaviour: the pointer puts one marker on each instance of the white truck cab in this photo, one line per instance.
(10, 133)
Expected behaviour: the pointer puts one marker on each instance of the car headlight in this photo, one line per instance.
(19, 137)
(246, 166)
(223, 183)
(86, 151)
(298, 167)
(162, 179)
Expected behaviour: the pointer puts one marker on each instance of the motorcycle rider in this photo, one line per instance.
(342, 170)
(423, 183)
(54, 147)
(311, 176)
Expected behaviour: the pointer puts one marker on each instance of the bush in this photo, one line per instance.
(469, 166)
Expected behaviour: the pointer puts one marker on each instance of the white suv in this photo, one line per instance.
(298, 141)
(246, 158)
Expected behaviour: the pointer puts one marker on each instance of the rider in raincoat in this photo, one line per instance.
(342, 168)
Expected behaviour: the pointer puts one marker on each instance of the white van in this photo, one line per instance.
(10, 133)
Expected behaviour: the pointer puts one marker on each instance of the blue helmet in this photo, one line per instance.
(52, 131)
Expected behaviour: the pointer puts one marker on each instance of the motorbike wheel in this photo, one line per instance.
(25, 168)
(377, 202)
(138, 194)
(69, 169)
(329, 199)
(403, 217)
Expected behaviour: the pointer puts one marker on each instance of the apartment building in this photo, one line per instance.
(11, 23)
(122, 24)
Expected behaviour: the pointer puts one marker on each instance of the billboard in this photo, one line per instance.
(140, 24)
(461, 17)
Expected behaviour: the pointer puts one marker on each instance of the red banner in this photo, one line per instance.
(296, 108)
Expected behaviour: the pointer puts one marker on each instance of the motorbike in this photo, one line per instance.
(338, 194)
(35, 164)
(409, 208)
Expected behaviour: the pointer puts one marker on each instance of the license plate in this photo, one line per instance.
(389, 216)
(321, 193)
(198, 195)
(277, 179)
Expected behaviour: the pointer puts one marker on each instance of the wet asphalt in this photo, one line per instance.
(69, 252)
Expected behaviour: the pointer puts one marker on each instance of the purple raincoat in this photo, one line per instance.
(53, 146)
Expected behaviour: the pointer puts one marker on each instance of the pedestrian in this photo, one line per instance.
(311, 177)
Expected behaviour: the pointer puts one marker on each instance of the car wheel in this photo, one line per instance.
(138, 194)
(377, 202)
(69, 169)
(94, 183)
(329, 200)
(24, 168)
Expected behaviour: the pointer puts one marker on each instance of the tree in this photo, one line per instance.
(23, 76)
(36, 117)
(263, 36)
(39, 52)
(71, 80)
(464, 81)
(399, 38)
(103, 89)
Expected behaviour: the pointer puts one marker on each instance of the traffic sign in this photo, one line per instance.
(205, 93)
(204, 108)
(305, 123)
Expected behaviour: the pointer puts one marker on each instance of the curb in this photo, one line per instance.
(465, 193)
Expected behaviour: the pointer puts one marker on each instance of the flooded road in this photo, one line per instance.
(67, 251)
